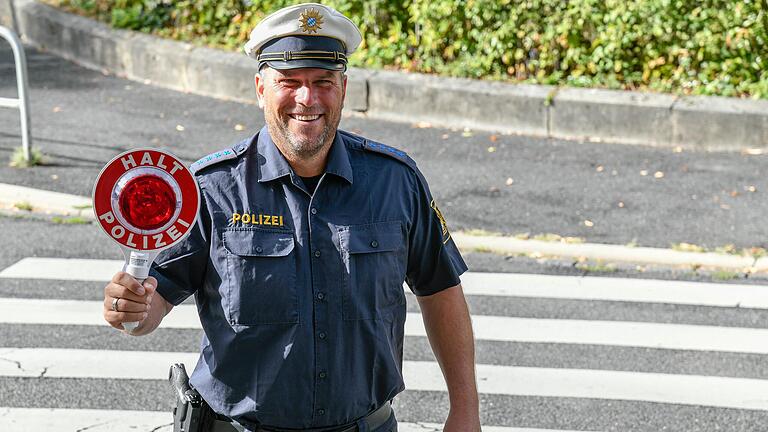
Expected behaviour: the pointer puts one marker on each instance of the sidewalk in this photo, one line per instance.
(710, 123)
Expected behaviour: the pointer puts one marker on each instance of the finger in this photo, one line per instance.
(110, 318)
(125, 305)
(113, 290)
(128, 281)
(150, 285)
(117, 318)
(114, 324)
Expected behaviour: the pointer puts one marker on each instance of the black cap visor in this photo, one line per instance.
(306, 63)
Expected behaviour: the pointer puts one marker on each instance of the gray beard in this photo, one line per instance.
(303, 149)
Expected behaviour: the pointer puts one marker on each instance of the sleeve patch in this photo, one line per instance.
(211, 159)
(443, 223)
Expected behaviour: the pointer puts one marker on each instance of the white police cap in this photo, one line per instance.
(304, 35)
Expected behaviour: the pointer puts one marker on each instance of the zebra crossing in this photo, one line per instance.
(678, 355)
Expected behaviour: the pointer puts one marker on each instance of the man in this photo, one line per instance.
(305, 237)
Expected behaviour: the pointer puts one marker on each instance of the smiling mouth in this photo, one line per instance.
(305, 118)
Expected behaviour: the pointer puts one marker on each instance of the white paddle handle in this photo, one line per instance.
(137, 265)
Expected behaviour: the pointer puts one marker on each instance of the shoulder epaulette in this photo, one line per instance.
(220, 156)
(389, 151)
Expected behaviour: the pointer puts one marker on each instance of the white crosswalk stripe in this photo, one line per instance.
(426, 376)
(488, 284)
(502, 380)
(493, 328)
(45, 419)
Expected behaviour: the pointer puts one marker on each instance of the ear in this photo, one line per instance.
(258, 81)
(343, 89)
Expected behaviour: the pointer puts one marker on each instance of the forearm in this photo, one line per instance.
(449, 328)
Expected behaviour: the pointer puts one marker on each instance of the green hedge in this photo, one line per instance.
(681, 46)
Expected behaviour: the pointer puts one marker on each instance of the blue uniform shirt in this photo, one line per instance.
(300, 296)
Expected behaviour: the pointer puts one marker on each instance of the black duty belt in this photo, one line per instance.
(375, 420)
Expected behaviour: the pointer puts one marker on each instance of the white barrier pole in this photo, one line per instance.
(22, 103)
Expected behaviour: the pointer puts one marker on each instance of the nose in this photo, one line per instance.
(305, 95)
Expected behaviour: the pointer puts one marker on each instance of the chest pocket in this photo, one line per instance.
(374, 256)
(261, 268)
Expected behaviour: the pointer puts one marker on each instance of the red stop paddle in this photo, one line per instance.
(145, 200)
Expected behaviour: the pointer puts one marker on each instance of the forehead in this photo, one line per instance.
(304, 73)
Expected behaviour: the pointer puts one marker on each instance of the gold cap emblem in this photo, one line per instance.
(310, 21)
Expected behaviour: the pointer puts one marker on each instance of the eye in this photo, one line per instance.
(324, 83)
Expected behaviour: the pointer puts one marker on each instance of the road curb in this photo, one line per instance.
(56, 203)
(46, 202)
(610, 253)
(698, 122)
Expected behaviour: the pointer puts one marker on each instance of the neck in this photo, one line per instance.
(309, 167)
(305, 165)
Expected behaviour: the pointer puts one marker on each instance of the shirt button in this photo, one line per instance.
(313, 211)
(322, 375)
(321, 335)
(317, 254)
(374, 244)
(321, 411)
(320, 296)
(258, 249)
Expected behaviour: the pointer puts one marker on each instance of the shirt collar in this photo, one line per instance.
(338, 160)
(273, 165)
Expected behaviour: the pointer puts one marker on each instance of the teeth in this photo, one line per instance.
(306, 117)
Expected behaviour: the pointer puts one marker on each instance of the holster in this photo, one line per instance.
(191, 413)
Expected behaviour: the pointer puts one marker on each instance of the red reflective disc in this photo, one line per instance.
(147, 202)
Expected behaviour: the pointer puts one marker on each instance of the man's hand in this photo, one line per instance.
(461, 422)
(449, 328)
(135, 303)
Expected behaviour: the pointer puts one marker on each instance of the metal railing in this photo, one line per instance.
(22, 103)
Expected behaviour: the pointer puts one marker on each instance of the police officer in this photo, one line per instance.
(305, 236)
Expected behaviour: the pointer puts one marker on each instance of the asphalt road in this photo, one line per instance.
(26, 237)
(83, 118)
(628, 194)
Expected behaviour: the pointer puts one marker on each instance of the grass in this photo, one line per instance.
(688, 247)
(481, 249)
(545, 237)
(9, 215)
(24, 206)
(75, 220)
(725, 275)
(555, 238)
(481, 233)
(82, 207)
(729, 249)
(18, 160)
(550, 238)
(597, 268)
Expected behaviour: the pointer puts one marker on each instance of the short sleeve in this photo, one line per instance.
(434, 261)
(180, 269)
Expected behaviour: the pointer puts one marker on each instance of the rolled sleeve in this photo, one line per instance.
(434, 261)
(180, 269)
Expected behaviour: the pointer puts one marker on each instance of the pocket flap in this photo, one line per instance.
(255, 242)
(376, 237)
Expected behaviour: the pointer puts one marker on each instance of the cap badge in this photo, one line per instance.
(310, 21)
